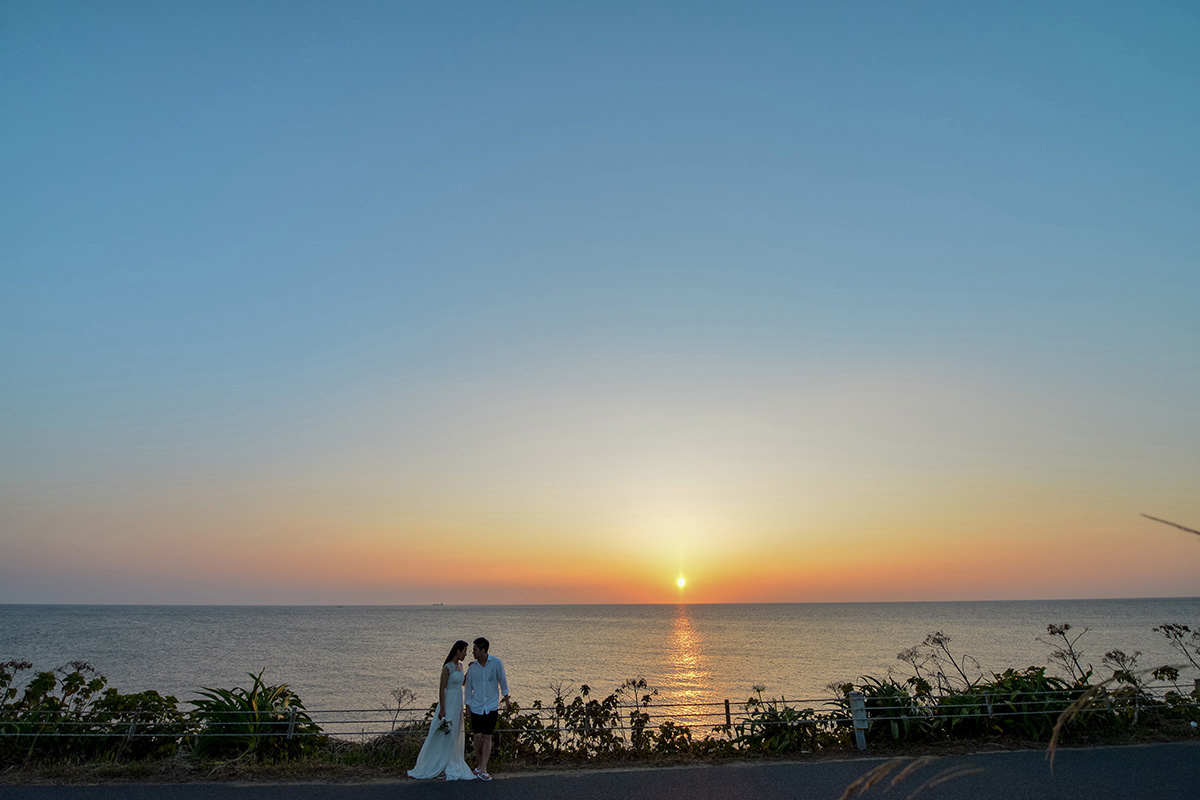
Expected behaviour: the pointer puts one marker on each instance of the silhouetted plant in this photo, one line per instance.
(636, 695)
(402, 696)
(524, 736)
(937, 645)
(671, 739)
(1066, 653)
(917, 659)
(1124, 666)
(1183, 639)
(582, 728)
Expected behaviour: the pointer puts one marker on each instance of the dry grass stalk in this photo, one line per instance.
(1172, 524)
(916, 764)
(907, 767)
(1086, 698)
(1074, 710)
(948, 774)
(873, 776)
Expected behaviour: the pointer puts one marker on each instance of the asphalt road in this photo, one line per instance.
(1149, 772)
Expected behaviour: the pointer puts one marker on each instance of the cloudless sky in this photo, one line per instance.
(403, 302)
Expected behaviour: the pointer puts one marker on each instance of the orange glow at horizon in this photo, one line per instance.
(998, 541)
(373, 565)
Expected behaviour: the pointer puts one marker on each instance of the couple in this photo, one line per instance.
(482, 685)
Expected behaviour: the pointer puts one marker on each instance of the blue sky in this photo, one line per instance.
(394, 271)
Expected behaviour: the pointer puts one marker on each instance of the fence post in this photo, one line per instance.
(1197, 686)
(858, 710)
(291, 722)
(729, 719)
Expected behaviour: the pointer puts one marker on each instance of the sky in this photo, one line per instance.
(404, 303)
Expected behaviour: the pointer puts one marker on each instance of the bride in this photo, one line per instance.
(444, 746)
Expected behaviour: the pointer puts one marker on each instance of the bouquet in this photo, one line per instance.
(444, 727)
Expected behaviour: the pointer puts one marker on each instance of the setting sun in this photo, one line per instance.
(681, 582)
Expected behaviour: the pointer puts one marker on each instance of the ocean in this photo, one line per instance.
(353, 657)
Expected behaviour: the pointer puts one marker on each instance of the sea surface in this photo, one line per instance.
(353, 657)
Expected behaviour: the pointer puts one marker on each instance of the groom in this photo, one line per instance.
(485, 682)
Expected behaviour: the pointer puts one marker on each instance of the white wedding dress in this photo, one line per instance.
(443, 752)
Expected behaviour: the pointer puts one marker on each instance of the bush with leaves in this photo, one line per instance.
(892, 711)
(69, 713)
(586, 728)
(264, 722)
(773, 727)
(1024, 703)
(146, 724)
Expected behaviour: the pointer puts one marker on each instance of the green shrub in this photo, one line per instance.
(1023, 703)
(892, 712)
(525, 736)
(266, 722)
(773, 726)
(145, 725)
(59, 716)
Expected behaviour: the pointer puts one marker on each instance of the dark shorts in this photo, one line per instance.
(484, 723)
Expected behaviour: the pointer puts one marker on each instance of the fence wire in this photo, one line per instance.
(723, 717)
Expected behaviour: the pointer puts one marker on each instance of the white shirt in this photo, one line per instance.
(485, 684)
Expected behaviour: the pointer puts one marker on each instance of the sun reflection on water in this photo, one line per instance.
(688, 702)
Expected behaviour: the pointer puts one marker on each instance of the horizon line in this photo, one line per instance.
(581, 605)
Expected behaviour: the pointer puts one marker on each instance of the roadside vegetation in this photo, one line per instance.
(67, 724)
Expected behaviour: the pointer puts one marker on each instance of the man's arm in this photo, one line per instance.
(503, 681)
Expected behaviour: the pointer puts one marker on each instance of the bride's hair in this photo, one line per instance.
(459, 645)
